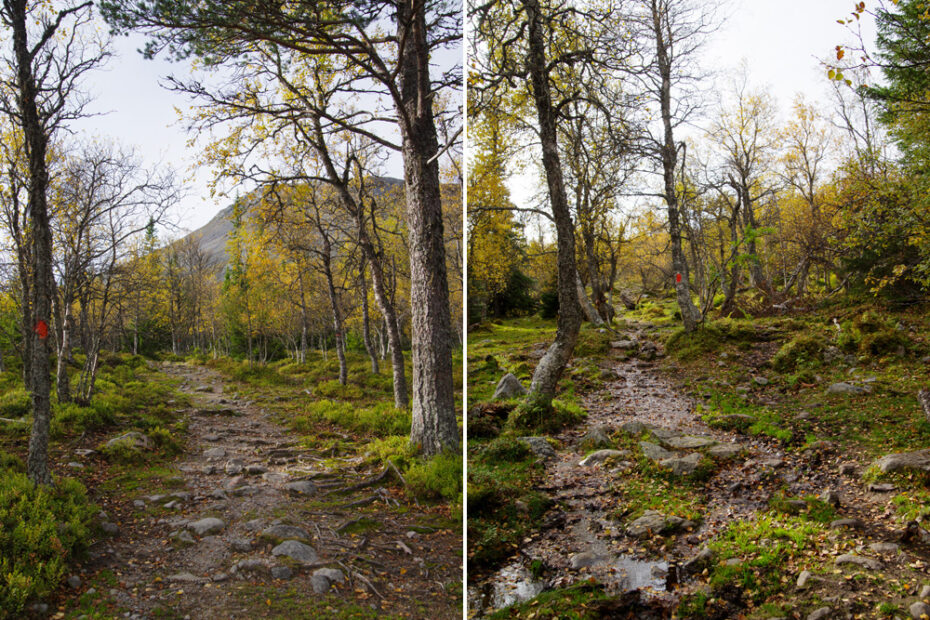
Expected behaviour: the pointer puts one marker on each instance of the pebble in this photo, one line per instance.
(74, 582)
(234, 466)
(804, 578)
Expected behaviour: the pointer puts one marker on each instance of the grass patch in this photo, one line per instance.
(583, 601)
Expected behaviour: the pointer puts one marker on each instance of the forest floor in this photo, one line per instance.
(254, 520)
(715, 475)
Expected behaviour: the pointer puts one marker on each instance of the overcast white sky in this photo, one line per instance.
(781, 43)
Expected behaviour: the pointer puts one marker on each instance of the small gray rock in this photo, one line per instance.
(110, 529)
(885, 547)
(847, 469)
(134, 439)
(918, 461)
(883, 487)
(725, 450)
(320, 584)
(254, 525)
(858, 560)
(585, 559)
(234, 466)
(847, 388)
(655, 451)
(333, 574)
(924, 592)
(251, 565)
(207, 525)
(919, 609)
(509, 387)
(184, 578)
(255, 470)
(214, 453)
(831, 497)
(74, 582)
(281, 572)
(853, 524)
(689, 442)
(301, 487)
(804, 578)
(634, 427)
(682, 466)
(138, 503)
(241, 545)
(597, 437)
(296, 551)
(699, 562)
(539, 446)
(285, 532)
(761, 380)
(602, 455)
(820, 614)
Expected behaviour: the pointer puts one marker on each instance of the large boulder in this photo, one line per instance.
(907, 461)
(509, 387)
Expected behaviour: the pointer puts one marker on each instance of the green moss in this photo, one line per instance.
(534, 417)
(805, 350)
(439, 477)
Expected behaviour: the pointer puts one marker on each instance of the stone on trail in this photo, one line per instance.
(885, 547)
(211, 437)
(907, 461)
(924, 592)
(858, 560)
(804, 578)
(655, 451)
(654, 522)
(234, 466)
(74, 582)
(831, 496)
(184, 578)
(247, 489)
(255, 470)
(634, 427)
(203, 388)
(285, 532)
(597, 437)
(509, 387)
(725, 450)
(207, 525)
(602, 455)
(853, 524)
(586, 559)
(689, 442)
(274, 477)
(110, 529)
(682, 466)
(333, 574)
(182, 537)
(623, 344)
(241, 545)
(320, 584)
(699, 562)
(919, 609)
(884, 487)
(214, 453)
(250, 565)
(822, 613)
(539, 446)
(281, 572)
(847, 388)
(301, 487)
(296, 551)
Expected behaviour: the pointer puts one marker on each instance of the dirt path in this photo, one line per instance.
(258, 526)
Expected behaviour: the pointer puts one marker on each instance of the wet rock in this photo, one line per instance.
(207, 525)
(682, 466)
(281, 572)
(655, 451)
(852, 524)
(539, 446)
(602, 455)
(822, 613)
(297, 551)
(703, 559)
(885, 547)
(689, 442)
(509, 387)
(858, 560)
(285, 532)
(301, 487)
(905, 461)
(919, 609)
(134, 439)
(831, 497)
(847, 388)
(597, 437)
(234, 466)
(74, 582)
(214, 453)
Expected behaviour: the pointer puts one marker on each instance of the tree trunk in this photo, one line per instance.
(433, 423)
(589, 310)
(337, 313)
(36, 145)
(690, 315)
(63, 384)
(552, 365)
(366, 323)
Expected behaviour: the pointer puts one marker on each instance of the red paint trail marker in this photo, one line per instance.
(42, 329)
(678, 278)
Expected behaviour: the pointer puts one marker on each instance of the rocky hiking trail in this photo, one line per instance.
(256, 525)
(641, 419)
